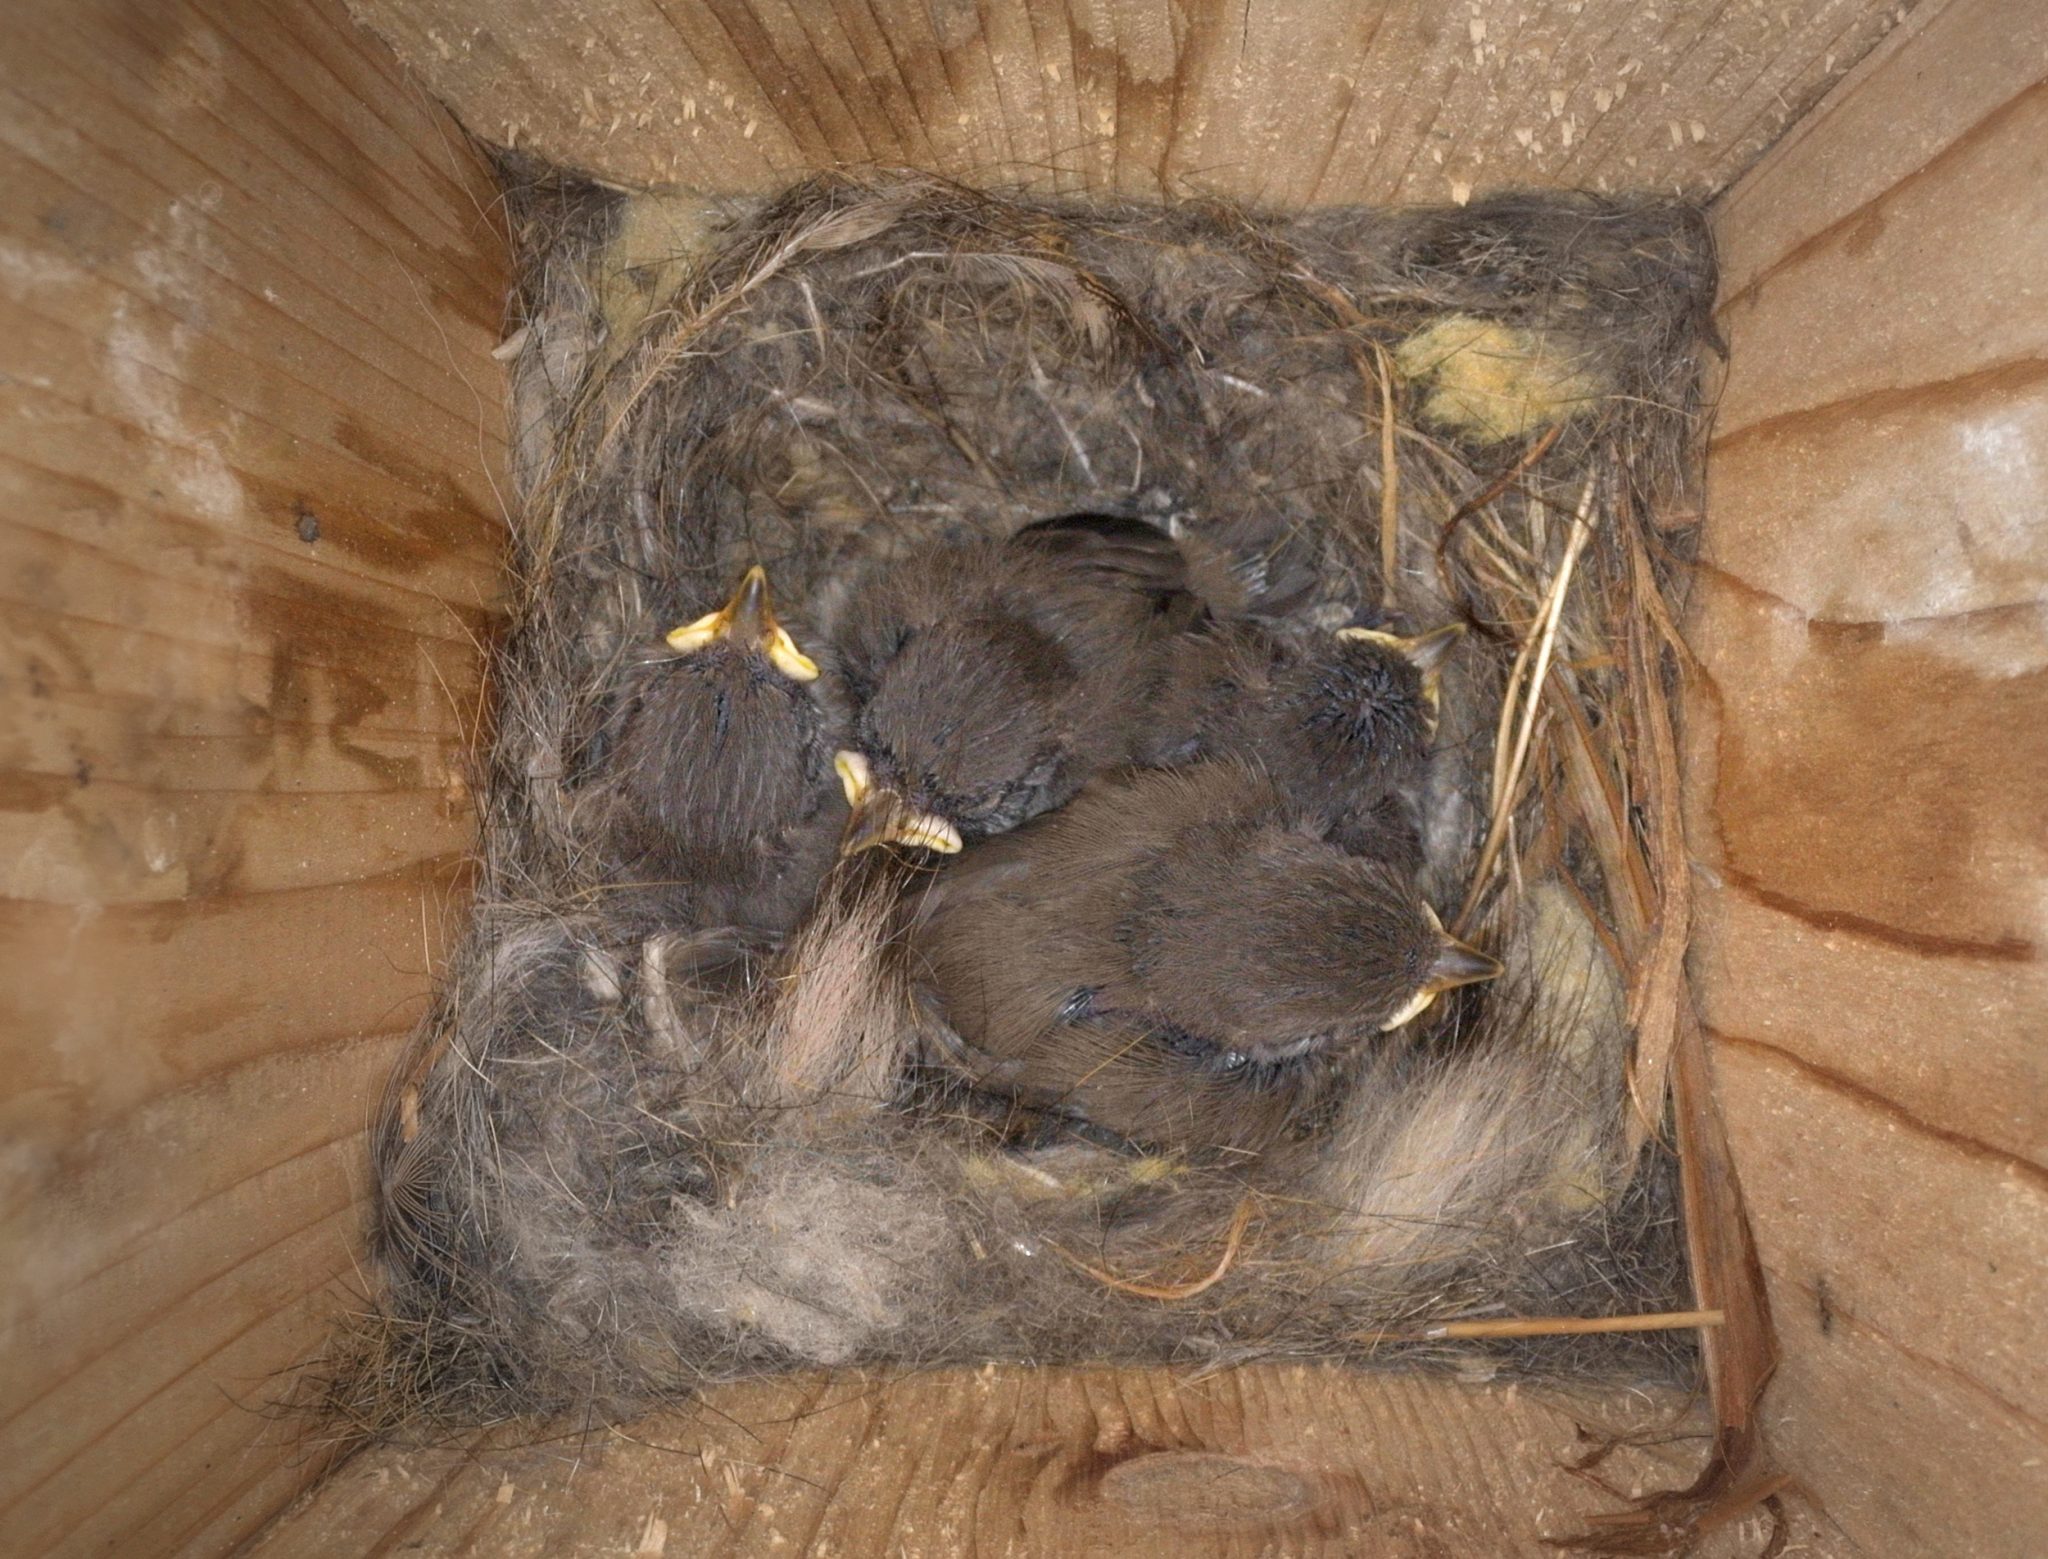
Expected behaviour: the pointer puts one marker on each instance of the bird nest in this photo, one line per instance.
(604, 1179)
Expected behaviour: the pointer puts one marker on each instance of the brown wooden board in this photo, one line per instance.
(249, 555)
(1267, 1460)
(1867, 736)
(1311, 102)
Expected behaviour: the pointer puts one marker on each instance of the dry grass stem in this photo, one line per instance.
(1526, 683)
(1556, 1326)
(1172, 1292)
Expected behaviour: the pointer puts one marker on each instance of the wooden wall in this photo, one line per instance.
(1301, 1461)
(248, 548)
(248, 551)
(1870, 766)
(1297, 103)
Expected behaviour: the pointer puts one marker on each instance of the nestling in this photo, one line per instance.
(1178, 957)
(1342, 722)
(723, 762)
(992, 678)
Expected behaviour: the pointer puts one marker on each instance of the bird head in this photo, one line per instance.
(723, 740)
(1273, 944)
(970, 721)
(747, 623)
(1454, 964)
(1425, 652)
(880, 814)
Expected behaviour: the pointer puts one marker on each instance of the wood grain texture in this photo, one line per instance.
(249, 548)
(248, 556)
(1866, 740)
(1906, 1279)
(1979, 58)
(1269, 1460)
(1310, 102)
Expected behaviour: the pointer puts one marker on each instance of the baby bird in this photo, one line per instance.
(1126, 555)
(723, 762)
(1342, 722)
(1174, 958)
(991, 678)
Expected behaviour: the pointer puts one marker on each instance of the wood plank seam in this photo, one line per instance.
(2012, 373)
(2017, 1166)
(1948, 153)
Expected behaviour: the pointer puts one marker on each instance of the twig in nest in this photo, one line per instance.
(1173, 1291)
(1527, 692)
(1390, 475)
(1657, 985)
(1598, 805)
(1355, 327)
(1555, 1326)
(1473, 505)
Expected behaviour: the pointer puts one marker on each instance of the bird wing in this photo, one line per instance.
(969, 881)
(1116, 552)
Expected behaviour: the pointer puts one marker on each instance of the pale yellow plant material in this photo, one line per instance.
(1390, 471)
(1492, 382)
(658, 239)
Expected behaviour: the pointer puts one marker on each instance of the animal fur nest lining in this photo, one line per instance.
(598, 1190)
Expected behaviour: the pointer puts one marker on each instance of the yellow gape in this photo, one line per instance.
(880, 815)
(748, 620)
(1455, 965)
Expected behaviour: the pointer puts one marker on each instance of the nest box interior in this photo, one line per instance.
(253, 520)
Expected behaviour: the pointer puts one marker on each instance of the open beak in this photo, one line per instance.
(747, 619)
(1426, 653)
(881, 816)
(1455, 965)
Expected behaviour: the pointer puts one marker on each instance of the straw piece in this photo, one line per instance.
(1658, 982)
(1357, 324)
(1486, 495)
(1557, 1326)
(1507, 783)
(1173, 1291)
(1390, 470)
(1598, 806)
